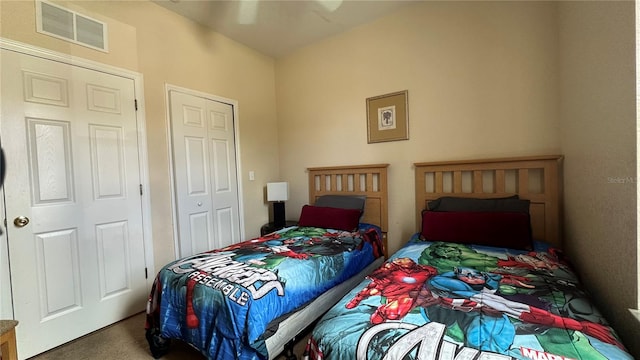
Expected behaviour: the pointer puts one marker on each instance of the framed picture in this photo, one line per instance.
(388, 117)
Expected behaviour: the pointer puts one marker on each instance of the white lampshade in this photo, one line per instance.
(278, 191)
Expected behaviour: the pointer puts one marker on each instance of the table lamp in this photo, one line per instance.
(278, 193)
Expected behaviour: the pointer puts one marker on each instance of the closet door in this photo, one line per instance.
(204, 172)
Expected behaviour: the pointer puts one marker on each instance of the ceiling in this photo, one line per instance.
(278, 27)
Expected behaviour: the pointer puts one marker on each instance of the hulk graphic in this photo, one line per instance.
(446, 256)
(518, 298)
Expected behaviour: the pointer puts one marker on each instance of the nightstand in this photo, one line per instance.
(270, 227)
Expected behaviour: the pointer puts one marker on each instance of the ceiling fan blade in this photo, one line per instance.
(247, 12)
(330, 5)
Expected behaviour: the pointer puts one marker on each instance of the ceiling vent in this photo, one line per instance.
(65, 24)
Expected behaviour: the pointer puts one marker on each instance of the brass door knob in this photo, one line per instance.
(21, 221)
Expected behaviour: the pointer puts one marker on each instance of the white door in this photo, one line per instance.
(204, 169)
(70, 139)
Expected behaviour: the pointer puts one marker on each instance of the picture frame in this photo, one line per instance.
(388, 117)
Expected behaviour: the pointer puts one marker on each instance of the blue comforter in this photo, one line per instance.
(222, 301)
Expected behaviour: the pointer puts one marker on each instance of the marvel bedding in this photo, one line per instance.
(222, 302)
(445, 300)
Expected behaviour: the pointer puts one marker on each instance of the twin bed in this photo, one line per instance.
(483, 278)
(250, 300)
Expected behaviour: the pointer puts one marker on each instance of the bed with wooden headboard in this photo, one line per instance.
(271, 290)
(363, 180)
(534, 178)
(453, 293)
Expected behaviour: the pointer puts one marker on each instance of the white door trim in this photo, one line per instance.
(138, 81)
(236, 133)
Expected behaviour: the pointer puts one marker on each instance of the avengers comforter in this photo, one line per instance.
(222, 301)
(436, 300)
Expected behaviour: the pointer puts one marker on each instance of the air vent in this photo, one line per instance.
(63, 23)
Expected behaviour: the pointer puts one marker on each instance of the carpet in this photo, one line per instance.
(126, 340)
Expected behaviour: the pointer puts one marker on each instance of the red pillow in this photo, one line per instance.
(500, 229)
(329, 218)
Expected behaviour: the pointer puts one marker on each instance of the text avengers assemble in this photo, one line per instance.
(431, 345)
(220, 271)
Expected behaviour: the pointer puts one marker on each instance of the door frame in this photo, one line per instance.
(236, 134)
(137, 79)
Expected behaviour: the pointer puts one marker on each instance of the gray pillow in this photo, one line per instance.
(342, 201)
(508, 204)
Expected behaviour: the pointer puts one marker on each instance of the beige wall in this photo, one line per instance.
(166, 48)
(598, 137)
(482, 81)
(485, 79)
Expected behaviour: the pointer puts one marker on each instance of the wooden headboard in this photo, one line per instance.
(536, 178)
(367, 180)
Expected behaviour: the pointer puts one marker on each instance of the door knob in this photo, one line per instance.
(21, 221)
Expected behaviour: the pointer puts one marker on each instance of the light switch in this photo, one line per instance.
(252, 175)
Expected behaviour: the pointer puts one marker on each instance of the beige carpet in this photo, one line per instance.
(125, 340)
